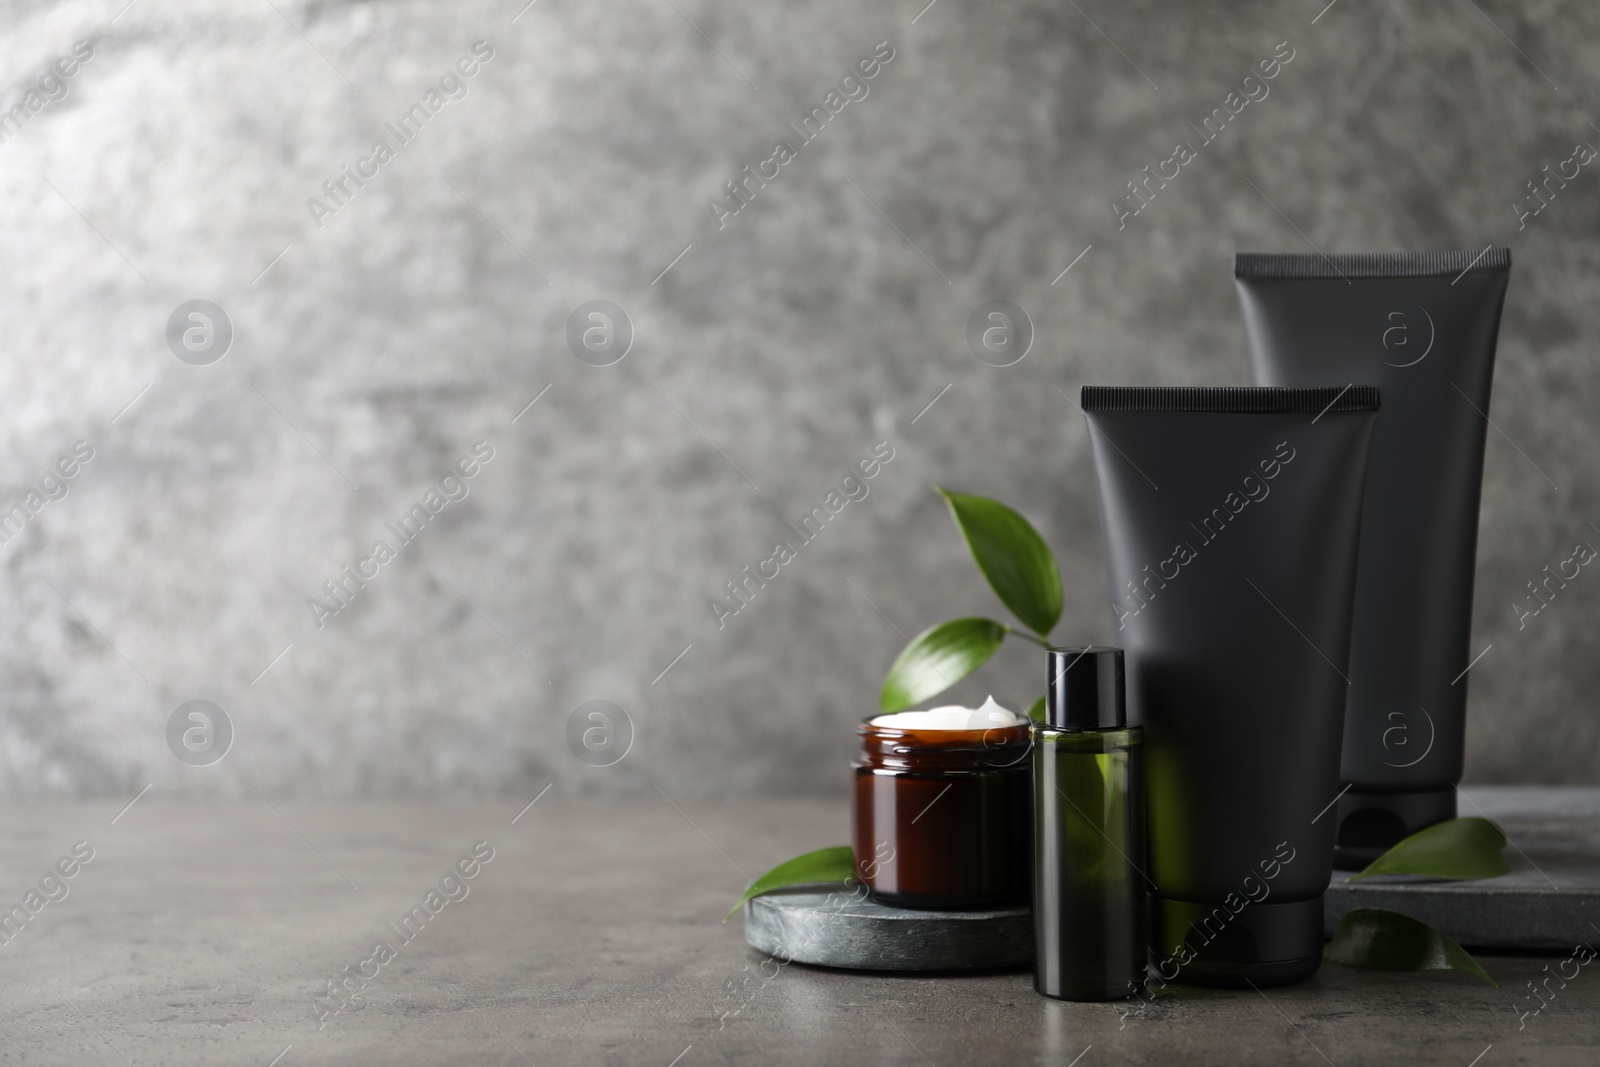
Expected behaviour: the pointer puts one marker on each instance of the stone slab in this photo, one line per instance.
(838, 929)
(1549, 902)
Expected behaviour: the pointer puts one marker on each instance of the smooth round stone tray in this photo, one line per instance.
(836, 929)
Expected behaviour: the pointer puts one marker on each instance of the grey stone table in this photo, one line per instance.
(203, 933)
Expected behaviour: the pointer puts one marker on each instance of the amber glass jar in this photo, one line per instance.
(943, 818)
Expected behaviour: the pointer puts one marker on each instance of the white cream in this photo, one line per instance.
(952, 717)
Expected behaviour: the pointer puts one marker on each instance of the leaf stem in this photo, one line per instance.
(1041, 642)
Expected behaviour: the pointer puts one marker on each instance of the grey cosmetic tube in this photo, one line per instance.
(1230, 518)
(1422, 326)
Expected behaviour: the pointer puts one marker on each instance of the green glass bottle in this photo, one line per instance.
(1089, 904)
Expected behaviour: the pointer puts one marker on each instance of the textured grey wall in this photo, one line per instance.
(422, 313)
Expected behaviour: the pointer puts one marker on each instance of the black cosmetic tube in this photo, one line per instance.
(1422, 326)
(1230, 518)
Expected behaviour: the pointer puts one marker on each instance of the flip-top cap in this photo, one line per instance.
(1084, 690)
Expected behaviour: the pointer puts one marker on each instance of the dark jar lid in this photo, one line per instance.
(1085, 689)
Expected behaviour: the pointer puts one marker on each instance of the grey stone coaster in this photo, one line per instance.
(838, 929)
(1549, 902)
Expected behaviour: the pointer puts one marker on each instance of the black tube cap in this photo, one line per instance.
(1084, 690)
(1260, 944)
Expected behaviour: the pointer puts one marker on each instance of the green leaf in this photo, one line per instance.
(1012, 556)
(824, 865)
(1457, 849)
(1036, 712)
(1383, 940)
(938, 658)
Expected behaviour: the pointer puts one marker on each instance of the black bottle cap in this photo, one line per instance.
(1084, 690)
